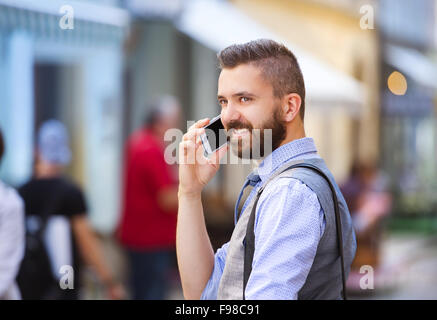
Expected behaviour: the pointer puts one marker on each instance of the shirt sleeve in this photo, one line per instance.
(74, 202)
(12, 237)
(288, 228)
(211, 288)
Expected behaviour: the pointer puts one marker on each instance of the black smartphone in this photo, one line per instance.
(215, 136)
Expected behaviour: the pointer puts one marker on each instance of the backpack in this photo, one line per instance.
(35, 278)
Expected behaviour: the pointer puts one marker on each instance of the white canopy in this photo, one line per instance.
(416, 65)
(87, 11)
(218, 24)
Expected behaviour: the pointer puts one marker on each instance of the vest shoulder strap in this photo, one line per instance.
(249, 240)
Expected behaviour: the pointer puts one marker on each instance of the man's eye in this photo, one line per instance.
(245, 99)
(222, 102)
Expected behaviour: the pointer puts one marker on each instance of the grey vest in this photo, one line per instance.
(324, 279)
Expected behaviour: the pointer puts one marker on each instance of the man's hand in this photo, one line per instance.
(195, 170)
(193, 246)
(116, 291)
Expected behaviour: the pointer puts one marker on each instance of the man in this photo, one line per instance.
(50, 194)
(11, 237)
(296, 254)
(148, 224)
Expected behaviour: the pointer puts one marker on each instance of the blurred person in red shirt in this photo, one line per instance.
(148, 224)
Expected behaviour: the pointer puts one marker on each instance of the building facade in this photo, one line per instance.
(65, 63)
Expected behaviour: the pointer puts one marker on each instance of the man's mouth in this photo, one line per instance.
(239, 133)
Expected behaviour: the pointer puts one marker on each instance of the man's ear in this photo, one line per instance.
(291, 106)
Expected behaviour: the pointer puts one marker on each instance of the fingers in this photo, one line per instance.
(196, 130)
(191, 153)
(193, 134)
(200, 154)
(187, 151)
(218, 155)
(200, 123)
(189, 148)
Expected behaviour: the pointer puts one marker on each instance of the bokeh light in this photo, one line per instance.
(397, 83)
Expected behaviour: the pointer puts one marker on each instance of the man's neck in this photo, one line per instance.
(48, 171)
(294, 133)
(155, 132)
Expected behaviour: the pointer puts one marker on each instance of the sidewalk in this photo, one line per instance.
(409, 269)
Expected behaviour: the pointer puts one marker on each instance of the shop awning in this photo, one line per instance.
(86, 11)
(414, 64)
(94, 24)
(218, 24)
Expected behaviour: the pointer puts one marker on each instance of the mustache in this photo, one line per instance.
(236, 124)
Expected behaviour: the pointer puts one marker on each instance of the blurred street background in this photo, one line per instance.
(370, 70)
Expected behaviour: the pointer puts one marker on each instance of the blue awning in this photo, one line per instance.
(93, 23)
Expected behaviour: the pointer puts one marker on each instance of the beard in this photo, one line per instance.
(256, 143)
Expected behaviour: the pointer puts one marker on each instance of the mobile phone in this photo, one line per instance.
(214, 137)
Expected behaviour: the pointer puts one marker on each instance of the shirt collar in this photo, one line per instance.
(292, 150)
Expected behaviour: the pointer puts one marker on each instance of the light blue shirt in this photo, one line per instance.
(288, 226)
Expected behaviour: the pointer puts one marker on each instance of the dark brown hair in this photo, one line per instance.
(278, 65)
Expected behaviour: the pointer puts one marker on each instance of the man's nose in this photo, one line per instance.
(230, 113)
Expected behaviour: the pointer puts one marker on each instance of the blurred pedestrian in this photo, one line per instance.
(148, 224)
(366, 193)
(11, 237)
(50, 200)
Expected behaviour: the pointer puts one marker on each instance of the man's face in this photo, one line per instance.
(169, 119)
(173, 118)
(248, 103)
